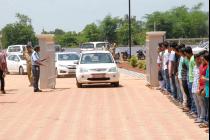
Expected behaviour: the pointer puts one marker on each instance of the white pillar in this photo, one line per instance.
(152, 40)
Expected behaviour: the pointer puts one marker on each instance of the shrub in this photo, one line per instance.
(142, 64)
(134, 61)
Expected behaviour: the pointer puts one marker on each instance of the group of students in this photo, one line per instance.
(184, 76)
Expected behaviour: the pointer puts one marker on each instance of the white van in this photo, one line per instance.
(90, 46)
(16, 49)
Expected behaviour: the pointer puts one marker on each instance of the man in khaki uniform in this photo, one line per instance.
(113, 49)
(27, 56)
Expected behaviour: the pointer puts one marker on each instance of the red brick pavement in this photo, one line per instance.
(131, 112)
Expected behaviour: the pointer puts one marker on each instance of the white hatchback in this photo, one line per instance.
(66, 63)
(97, 67)
(16, 64)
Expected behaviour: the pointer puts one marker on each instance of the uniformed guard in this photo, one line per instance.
(27, 56)
(36, 63)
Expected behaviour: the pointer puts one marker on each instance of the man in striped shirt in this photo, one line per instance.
(3, 70)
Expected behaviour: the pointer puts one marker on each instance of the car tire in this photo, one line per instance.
(21, 71)
(117, 84)
(79, 85)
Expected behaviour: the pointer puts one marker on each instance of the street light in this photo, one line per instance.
(129, 18)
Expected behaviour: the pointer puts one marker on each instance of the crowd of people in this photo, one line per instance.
(184, 78)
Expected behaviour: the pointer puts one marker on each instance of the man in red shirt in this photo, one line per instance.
(3, 70)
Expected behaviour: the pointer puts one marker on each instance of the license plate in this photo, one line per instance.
(98, 75)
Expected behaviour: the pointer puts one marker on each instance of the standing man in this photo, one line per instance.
(165, 66)
(36, 63)
(3, 70)
(171, 70)
(27, 56)
(113, 49)
(191, 59)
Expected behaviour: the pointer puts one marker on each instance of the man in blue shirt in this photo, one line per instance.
(36, 63)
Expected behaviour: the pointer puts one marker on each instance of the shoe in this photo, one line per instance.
(186, 110)
(38, 90)
(3, 92)
(198, 120)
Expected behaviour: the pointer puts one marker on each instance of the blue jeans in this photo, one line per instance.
(192, 102)
(36, 74)
(178, 90)
(173, 86)
(167, 80)
(207, 108)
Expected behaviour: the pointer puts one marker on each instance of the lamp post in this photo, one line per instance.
(129, 18)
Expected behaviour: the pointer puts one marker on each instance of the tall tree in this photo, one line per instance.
(20, 32)
(108, 29)
(91, 32)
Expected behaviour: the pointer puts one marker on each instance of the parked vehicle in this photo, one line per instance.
(16, 64)
(94, 46)
(141, 55)
(201, 47)
(58, 48)
(66, 63)
(97, 67)
(13, 49)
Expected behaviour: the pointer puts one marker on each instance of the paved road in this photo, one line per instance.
(131, 112)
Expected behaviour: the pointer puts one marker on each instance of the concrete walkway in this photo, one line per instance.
(131, 112)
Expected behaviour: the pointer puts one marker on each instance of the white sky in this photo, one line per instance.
(73, 15)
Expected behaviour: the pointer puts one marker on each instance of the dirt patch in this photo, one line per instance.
(125, 65)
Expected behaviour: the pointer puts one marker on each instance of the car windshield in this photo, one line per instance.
(14, 49)
(96, 58)
(21, 57)
(87, 46)
(100, 45)
(67, 57)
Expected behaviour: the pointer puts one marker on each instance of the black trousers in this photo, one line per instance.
(2, 80)
(36, 74)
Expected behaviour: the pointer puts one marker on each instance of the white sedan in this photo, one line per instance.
(97, 67)
(66, 63)
(16, 64)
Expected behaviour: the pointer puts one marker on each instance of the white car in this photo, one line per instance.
(16, 64)
(66, 63)
(94, 46)
(97, 67)
(202, 47)
(13, 49)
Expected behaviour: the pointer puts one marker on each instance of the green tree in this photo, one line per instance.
(108, 29)
(91, 33)
(180, 22)
(20, 32)
(69, 39)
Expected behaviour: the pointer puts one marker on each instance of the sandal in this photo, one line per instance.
(203, 125)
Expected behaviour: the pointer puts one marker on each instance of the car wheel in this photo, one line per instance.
(21, 71)
(117, 84)
(79, 85)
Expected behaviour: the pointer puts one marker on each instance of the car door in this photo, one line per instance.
(10, 63)
(16, 63)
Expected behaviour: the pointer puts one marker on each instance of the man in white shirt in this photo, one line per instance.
(171, 71)
(165, 66)
(36, 63)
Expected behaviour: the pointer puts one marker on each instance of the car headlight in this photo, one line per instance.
(83, 70)
(114, 69)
